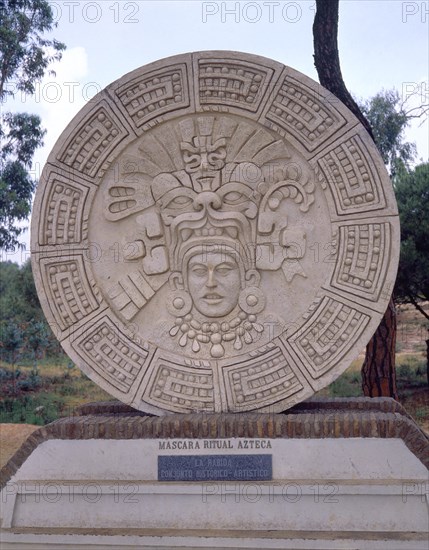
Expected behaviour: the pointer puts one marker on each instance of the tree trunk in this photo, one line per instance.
(378, 371)
(378, 378)
(427, 359)
(327, 59)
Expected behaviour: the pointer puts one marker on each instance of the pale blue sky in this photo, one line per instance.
(382, 43)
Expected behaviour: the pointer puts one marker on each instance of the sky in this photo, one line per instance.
(383, 44)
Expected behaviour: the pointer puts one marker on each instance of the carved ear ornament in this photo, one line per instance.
(202, 193)
(179, 303)
(251, 300)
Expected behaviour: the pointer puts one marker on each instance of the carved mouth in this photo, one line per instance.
(213, 298)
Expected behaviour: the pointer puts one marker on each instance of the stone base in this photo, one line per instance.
(346, 473)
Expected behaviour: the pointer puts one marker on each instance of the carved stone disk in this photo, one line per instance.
(214, 232)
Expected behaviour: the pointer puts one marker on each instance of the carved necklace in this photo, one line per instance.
(239, 329)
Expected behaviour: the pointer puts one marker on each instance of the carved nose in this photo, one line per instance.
(205, 165)
(207, 198)
(211, 280)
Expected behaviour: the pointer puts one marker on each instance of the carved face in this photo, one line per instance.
(214, 283)
(203, 155)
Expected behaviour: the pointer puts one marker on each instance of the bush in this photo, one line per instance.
(347, 385)
(411, 374)
(31, 383)
(39, 409)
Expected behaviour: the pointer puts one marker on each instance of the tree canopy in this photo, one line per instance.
(25, 58)
(25, 54)
(18, 297)
(412, 193)
(20, 135)
(389, 117)
(23, 328)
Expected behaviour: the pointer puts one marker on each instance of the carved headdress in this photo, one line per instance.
(214, 184)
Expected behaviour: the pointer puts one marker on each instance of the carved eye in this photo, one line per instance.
(223, 271)
(216, 158)
(192, 162)
(234, 197)
(199, 270)
(179, 202)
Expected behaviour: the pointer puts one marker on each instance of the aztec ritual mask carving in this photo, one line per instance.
(214, 232)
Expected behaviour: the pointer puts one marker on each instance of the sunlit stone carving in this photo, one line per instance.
(214, 232)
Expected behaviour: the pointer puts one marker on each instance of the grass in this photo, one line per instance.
(410, 376)
(40, 395)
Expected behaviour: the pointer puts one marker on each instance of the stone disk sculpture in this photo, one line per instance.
(214, 232)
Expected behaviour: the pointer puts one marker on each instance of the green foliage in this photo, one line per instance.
(18, 295)
(36, 339)
(412, 193)
(31, 383)
(411, 374)
(20, 135)
(22, 138)
(349, 384)
(39, 396)
(388, 119)
(24, 332)
(11, 341)
(25, 57)
(16, 190)
(36, 409)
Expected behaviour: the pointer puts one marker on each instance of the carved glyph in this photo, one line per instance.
(215, 233)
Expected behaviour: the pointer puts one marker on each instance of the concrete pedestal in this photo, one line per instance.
(345, 474)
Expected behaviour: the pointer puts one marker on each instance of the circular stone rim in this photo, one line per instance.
(45, 251)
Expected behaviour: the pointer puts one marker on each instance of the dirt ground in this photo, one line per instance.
(12, 436)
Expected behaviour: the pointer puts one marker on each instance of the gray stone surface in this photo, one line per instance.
(344, 475)
(214, 232)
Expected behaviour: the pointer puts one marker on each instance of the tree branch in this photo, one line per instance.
(423, 108)
(418, 306)
(327, 59)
